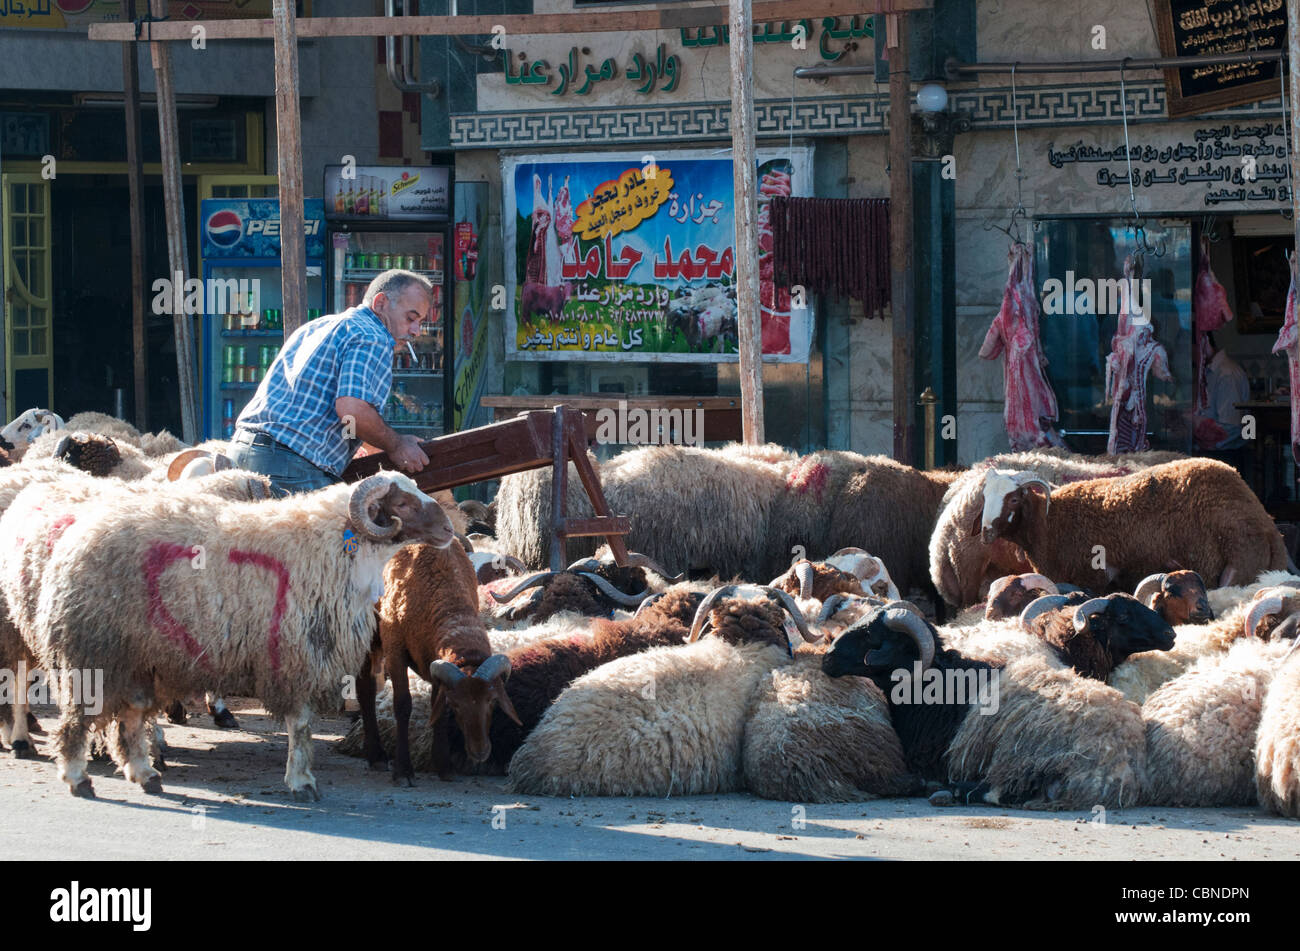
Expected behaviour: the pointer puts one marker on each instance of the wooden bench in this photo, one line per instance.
(531, 440)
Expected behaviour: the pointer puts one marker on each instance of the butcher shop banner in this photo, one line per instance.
(632, 256)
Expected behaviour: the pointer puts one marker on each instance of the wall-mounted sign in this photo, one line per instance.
(250, 228)
(1204, 27)
(572, 75)
(387, 192)
(623, 257)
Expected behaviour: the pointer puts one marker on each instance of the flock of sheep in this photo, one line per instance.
(1080, 631)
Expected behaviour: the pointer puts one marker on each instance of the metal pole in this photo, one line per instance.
(288, 149)
(900, 236)
(135, 216)
(749, 319)
(174, 202)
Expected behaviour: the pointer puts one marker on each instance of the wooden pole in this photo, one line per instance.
(135, 184)
(900, 236)
(174, 202)
(288, 149)
(744, 172)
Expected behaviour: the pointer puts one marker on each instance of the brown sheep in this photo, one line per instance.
(429, 622)
(1197, 510)
(1011, 594)
(1179, 597)
(808, 579)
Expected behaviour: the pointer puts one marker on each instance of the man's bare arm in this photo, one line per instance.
(404, 450)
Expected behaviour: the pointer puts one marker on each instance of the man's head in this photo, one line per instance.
(401, 300)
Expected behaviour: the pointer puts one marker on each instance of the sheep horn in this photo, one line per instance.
(636, 559)
(796, 615)
(898, 618)
(446, 673)
(1149, 587)
(1028, 478)
(702, 612)
(1268, 602)
(1037, 582)
(465, 543)
(177, 465)
(62, 448)
(998, 586)
(1048, 602)
(611, 592)
(586, 564)
(532, 581)
(513, 563)
(498, 665)
(647, 602)
(806, 574)
(365, 492)
(1086, 610)
(831, 606)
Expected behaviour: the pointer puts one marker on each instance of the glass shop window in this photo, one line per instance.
(1079, 322)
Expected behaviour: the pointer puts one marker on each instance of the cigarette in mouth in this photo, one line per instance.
(411, 351)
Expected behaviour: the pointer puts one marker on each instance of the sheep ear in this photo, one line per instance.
(503, 701)
(976, 525)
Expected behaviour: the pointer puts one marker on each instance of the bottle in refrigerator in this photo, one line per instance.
(350, 201)
(363, 197)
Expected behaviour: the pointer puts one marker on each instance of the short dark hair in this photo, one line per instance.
(394, 283)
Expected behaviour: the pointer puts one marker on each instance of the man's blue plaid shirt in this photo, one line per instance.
(348, 354)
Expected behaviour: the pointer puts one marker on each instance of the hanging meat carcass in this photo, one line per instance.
(1134, 353)
(1288, 339)
(1030, 403)
(1211, 310)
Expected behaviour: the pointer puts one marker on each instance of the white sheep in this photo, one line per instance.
(1277, 747)
(271, 599)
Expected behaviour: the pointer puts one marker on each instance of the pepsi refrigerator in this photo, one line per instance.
(382, 217)
(243, 326)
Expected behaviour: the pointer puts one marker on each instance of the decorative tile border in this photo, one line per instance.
(989, 107)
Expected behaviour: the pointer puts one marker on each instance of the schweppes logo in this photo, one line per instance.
(406, 181)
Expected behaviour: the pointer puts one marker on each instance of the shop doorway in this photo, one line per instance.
(93, 352)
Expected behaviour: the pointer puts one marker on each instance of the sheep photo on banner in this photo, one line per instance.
(632, 256)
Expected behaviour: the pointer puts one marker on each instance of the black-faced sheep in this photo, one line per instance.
(1109, 534)
(429, 623)
(1094, 635)
(283, 608)
(667, 721)
(1028, 733)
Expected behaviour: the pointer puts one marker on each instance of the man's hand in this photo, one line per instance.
(408, 455)
(404, 450)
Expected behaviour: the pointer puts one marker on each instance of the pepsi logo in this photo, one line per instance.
(225, 228)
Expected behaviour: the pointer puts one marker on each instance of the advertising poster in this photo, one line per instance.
(632, 257)
(387, 192)
(470, 311)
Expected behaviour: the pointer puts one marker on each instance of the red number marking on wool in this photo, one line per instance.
(57, 529)
(156, 559)
(277, 567)
(808, 475)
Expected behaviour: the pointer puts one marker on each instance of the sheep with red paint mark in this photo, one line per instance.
(175, 595)
(37, 519)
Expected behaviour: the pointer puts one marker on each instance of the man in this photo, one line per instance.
(325, 391)
(1227, 385)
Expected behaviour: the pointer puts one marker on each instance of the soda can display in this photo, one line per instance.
(238, 360)
(228, 408)
(386, 262)
(227, 374)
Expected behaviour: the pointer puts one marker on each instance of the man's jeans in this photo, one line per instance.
(289, 472)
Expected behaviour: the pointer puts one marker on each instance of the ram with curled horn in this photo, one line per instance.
(1180, 597)
(749, 593)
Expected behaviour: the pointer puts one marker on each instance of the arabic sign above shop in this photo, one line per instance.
(1244, 166)
(608, 258)
(1206, 27)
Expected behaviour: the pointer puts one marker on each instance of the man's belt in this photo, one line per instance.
(264, 440)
